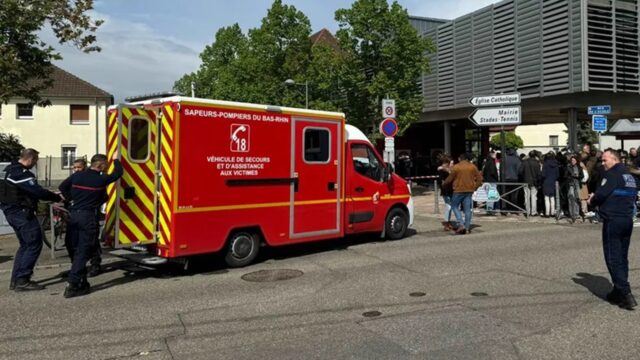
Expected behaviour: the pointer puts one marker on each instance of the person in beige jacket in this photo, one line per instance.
(466, 178)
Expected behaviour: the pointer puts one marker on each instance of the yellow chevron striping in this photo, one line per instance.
(132, 226)
(167, 148)
(135, 225)
(166, 168)
(165, 227)
(113, 132)
(165, 186)
(127, 113)
(165, 206)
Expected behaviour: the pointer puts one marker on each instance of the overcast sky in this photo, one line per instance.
(148, 44)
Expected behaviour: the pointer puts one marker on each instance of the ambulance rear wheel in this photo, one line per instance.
(242, 249)
(396, 224)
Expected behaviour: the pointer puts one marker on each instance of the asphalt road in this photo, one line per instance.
(510, 290)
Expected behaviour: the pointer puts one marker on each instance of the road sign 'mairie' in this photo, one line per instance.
(389, 127)
(496, 116)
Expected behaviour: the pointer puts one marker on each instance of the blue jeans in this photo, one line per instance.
(616, 235)
(463, 198)
(447, 207)
(27, 229)
(84, 230)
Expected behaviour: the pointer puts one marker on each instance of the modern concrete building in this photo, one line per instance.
(560, 55)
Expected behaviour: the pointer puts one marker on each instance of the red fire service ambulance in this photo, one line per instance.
(203, 176)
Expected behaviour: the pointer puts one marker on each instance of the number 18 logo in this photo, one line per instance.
(239, 138)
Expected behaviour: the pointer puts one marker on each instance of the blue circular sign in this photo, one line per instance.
(389, 127)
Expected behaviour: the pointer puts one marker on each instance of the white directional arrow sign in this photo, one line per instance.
(494, 100)
(496, 116)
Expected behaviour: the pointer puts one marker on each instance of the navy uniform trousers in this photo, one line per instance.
(84, 231)
(27, 229)
(616, 236)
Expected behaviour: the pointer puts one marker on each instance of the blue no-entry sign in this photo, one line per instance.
(389, 127)
(599, 123)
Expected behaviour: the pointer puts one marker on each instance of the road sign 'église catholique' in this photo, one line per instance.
(495, 100)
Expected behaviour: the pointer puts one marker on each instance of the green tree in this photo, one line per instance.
(585, 135)
(512, 141)
(25, 64)
(384, 57)
(253, 68)
(10, 147)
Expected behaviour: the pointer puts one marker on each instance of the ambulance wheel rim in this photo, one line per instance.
(242, 246)
(396, 224)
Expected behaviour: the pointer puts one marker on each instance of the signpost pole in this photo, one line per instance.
(503, 157)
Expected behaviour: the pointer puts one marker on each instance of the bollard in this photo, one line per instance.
(557, 204)
(436, 195)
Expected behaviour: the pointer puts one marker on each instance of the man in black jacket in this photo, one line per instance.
(87, 189)
(20, 193)
(615, 198)
(531, 174)
(512, 168)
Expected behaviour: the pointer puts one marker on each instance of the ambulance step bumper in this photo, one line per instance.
(139, 257)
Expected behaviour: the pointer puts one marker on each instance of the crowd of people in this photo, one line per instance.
(555, 184)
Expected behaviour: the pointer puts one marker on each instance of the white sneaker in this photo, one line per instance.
(590, 214)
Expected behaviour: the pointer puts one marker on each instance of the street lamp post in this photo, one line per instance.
(306, 90)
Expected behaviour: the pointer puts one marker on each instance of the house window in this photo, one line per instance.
(25, 111)
(79, 114)
(316, 145)
(553, 140)
(68, 156)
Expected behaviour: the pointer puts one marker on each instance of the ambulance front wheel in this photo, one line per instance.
(242, 249)
(396, 224)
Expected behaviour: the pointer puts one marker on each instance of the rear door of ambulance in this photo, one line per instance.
(132, 206)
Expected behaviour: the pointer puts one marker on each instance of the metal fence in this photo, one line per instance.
(505, 190)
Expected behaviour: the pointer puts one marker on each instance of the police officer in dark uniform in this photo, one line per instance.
(88, 190)
(19, 195)
(615, 198)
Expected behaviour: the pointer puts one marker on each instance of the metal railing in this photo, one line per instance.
(501, 186)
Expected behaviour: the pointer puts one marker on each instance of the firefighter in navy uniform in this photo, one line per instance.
(615, 198)
(19, 195)
(95, 259)
(88, 190)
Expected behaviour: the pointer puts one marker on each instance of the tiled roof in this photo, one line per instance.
(324, 36)
(66, 84)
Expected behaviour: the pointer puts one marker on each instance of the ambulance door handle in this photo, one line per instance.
(359, 189)
(331, 186)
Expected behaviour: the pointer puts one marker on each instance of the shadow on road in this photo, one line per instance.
(596, 284)
(4, 259)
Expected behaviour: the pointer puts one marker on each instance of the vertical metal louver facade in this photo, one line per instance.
(536, 47)
(612, 29)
